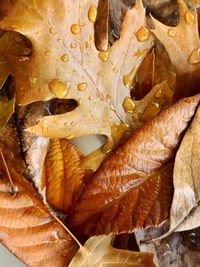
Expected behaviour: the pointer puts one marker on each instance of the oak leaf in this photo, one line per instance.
(183, 46)
(27, 228)
(133, 187)
(99, 251)
(66, 64)
(185, 208)
(63, 175)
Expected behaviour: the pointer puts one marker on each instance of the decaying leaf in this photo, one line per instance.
(186, 180)
(64, 177)
(27, 228)
(183, 46)
(98, 251)
(71, 66)
(133, 187)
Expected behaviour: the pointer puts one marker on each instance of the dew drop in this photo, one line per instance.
(140, 53)
(32, 79)
(92, 13)
(171, 32)
(189, 18)
(59, 88)
(73, 45)
(87, 45)
(82, 86)
(142, 34)
(115, 69)
(194, 58)
(65, 58)
(52, 31)
(128, 105)
(158, 93)
(75, 29)
(103, 55)
(129, 78)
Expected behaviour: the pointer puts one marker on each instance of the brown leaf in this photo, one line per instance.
(71, 67)
(64, 177)
(133, 187)
(182, 44)
(27, 228)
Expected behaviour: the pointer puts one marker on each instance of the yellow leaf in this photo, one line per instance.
(98, 251)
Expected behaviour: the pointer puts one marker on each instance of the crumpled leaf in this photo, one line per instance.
(71, 67)
(185, 208)
(99, 251)
(27, 228)
(63, 175)
(183, 46)
(133, 187)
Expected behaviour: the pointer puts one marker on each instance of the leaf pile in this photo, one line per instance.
(122, 72)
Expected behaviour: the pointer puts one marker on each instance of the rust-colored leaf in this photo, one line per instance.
(27, 228)
(64, 177)
(133, 187)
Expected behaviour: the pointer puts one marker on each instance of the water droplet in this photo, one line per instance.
(128, 105)
(91, 37)
(129, 78)
(73, 45)
(158, 93)
(103, 55)
(151, 111)
(140, 53)
(115, 69)
(82, 86)
(142, 34)
(59, 88)
(32, 79)
(171, 32)
(87, 45)
(194, 58)
(81, 23)
(52, 31)
(92, 13)
(75, 29)
(65, 58)
(189, 18)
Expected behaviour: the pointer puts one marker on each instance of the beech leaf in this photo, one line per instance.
(133, 187)
(185, 208)
(63, 175)
(99, 251)
(27, 228)
(71, 67)
(183, 46)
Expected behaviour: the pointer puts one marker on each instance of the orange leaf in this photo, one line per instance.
(27, 228)
(64, 177)
(133, 187)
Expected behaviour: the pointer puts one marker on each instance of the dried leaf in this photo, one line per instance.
(182, 44)
(72, 67)
(99, 251)
(27, 228)
(132, 185)
(186, 181)
(64, 177)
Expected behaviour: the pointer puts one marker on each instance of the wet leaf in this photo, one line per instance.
(99, 251)
(133, 187)
(70, 66)
(27, 228)
(64, 177)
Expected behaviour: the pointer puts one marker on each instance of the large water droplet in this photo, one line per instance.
(189, 18)
(142, 34)
(92, 13)
(194, 57)
(75, 29)
(59, 88)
